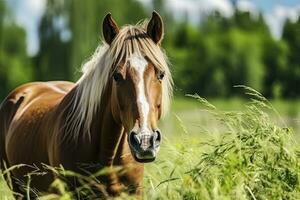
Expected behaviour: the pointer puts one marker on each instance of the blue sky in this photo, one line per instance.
(267, 5)
(275, 12)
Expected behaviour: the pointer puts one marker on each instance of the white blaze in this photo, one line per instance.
(139, 63)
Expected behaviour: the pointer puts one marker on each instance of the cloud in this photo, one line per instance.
(36, 7)
(246, 6)
(277, 17)
(28, 15)
(146, 2)
(195, 9)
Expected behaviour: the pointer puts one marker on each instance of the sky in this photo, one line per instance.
(275, 12)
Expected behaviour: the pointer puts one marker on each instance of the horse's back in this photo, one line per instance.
(21, 115)
(24, 127)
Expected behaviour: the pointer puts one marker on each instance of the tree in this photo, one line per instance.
(275, 60)
(15, 66)
(291, 74)
(53, 59)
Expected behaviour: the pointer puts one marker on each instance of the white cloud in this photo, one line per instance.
(277, 17)
(194, 9)
(246, 6)
(28, 14)
(146, 2)
(36, 7)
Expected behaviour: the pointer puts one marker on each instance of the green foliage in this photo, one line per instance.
(276, 61)
(209, 58)
(221, 53)
(52, 60)
(15, 66)
(291, 74)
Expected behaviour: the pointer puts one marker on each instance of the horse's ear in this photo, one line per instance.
(110, 29)
(155, 28)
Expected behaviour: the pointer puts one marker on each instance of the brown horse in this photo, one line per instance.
(109, 116)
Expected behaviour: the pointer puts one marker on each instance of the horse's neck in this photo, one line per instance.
(105, 132)
(114, 148)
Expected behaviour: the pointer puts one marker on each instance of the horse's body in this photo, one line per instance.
(27, 118)
(97, 122)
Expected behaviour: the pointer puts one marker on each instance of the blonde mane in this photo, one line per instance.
(98, 70)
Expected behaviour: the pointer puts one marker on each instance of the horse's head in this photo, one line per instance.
(138, 84)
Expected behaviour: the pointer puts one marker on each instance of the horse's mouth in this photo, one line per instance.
(144, 160)
(144, 156)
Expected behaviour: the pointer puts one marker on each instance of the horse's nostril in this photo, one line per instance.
(156, 138)
(158, 135)
(144, 141)
(134, 139)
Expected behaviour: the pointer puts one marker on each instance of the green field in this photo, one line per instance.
(194, 115)
(247, 151)
(197, 134)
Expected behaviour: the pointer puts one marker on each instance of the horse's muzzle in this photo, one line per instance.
(144, 146)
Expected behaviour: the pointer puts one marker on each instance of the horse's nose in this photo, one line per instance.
(144, 145)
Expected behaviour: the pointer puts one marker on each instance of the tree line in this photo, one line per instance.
(208, 58)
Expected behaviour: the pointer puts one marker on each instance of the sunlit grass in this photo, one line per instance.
(253, 157)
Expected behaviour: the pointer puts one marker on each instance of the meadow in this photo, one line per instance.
(220, 149)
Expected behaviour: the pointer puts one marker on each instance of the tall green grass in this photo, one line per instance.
(243, 154)
(251, 156)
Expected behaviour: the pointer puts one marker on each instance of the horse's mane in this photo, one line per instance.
(132, 39)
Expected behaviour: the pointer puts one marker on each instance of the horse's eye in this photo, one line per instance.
(160, 75)
(117, 76)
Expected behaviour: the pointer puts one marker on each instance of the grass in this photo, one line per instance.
(249, 157)
(218, 150)
(5, 193)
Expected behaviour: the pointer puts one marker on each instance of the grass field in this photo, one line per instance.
(225, 149)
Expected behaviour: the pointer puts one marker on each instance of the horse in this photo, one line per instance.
(109, 116)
